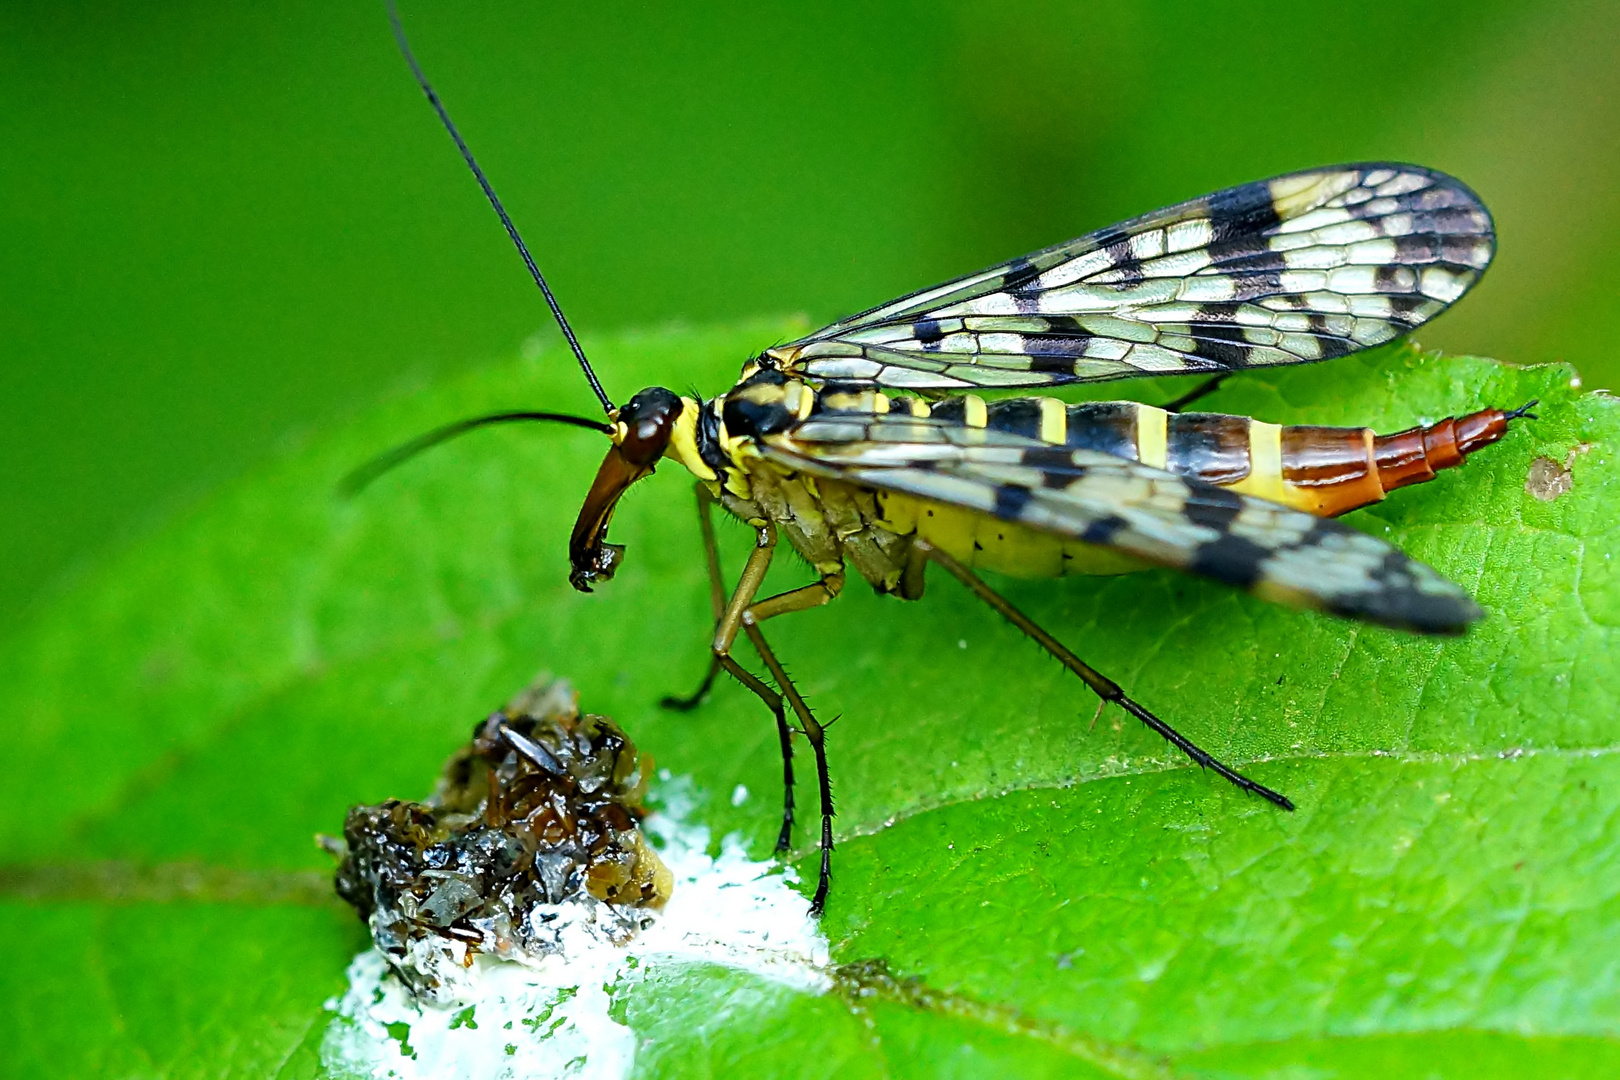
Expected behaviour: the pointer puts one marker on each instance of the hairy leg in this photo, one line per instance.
(1104, 687)
(719, 662)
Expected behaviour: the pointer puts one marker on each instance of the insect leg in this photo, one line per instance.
(816, 732)
(717, 601)
(1104, 687)
(696, 697)
(1203, 389)
(739, 617)
(803, 598)
(719, 662)
(753, 575)
(914, 576)
(773, 701)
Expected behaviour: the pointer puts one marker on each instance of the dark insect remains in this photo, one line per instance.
(541, 809)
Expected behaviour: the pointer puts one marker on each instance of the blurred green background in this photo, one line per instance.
(226, 223)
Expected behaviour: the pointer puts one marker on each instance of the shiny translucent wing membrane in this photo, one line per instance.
(1304, 267)
(1277, 553)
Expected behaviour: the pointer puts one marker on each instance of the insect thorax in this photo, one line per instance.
(831, 521)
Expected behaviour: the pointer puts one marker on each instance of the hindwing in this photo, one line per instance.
(1304, 267)
(1276, 552)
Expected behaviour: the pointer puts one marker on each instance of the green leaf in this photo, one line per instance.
(1017, 890)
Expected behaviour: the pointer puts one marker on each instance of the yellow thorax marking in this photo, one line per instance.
(798, 399)
(683, 441)
(737, 448)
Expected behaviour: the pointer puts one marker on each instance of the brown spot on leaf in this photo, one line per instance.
(1547, 479)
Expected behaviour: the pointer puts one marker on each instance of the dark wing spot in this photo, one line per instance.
(1055, 365)
(1064, 348)
(1395, 279)
(1442, 195)
(1245, 210)
(1103, 530)
(1110, 237)
(1248, 284)
(1333, 347)
(1019, 272)
(1220, 343)
(1212, 507)
(1055, 350)
(1460, 249)
(1011, 500)
(1397, 601)
(1127, 267)
(1417, 248)
(1407, 309)
(1464, 220)
(1247, 252)
(1231, 559)
(1068, 325)
(928, 332)
(1217, 311)
(1057, 466)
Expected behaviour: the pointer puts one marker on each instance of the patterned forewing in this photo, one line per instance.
(1304, 267)
(1277, 553)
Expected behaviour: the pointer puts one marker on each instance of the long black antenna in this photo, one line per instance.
(352, 484)
(489, 192)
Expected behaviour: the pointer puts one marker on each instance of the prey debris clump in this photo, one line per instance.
(531, 834)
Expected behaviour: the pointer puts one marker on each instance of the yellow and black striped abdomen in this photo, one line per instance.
(1324, 471)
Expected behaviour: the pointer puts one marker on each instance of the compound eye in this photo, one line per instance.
(649, 422)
